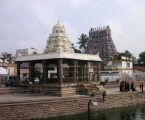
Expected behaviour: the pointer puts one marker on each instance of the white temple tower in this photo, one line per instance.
(58, 41)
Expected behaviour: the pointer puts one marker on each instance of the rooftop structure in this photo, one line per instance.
(139, 72)
(139, 68)
(57, 55)
(7, 65)
(120, 63)
(27, 51)
(100, 41)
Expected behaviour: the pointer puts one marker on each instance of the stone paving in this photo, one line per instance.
(30, 97)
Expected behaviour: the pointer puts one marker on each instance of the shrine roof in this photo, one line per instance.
(58, 55)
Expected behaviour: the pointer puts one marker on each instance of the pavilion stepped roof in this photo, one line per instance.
(57, 55)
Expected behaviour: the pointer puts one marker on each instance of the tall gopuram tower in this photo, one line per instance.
(58, 41)
(100, 40)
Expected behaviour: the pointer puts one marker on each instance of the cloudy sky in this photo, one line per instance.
(27, 23)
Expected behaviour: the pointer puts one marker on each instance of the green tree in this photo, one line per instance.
(75, 50)
(82, 41)
(126, 54)
(141, 59)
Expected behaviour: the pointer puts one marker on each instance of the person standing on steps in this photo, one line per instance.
(123, 86)
(140, 86)
(132, 86)
(104, 94)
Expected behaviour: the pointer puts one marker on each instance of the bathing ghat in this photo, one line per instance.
(34, 106)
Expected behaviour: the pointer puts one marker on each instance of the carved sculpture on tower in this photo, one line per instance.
(58, 41)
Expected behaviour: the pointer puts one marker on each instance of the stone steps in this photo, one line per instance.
(11, 90)
(89, 89)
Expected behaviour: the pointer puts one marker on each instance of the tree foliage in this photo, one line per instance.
(82, 41)
(75, 50)
(126, 54)
(141, 59)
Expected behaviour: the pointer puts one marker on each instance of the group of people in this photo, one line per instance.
(126, 86)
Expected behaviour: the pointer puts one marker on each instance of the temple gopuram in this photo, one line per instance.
(62, 71)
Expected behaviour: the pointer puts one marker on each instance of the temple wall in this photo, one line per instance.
(32, 109)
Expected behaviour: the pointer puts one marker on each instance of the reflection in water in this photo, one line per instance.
(130, 113)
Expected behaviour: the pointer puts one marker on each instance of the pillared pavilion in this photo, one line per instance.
(62, 71)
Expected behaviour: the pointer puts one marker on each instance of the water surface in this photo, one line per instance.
(129, 113)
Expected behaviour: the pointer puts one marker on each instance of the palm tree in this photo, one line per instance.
(83, 41)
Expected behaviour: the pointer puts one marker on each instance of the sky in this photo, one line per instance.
(27, 23)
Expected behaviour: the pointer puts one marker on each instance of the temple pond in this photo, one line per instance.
(129, 113)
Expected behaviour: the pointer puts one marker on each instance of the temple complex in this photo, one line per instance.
(62, 72)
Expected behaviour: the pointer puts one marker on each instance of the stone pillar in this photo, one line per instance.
(98, 70)
(87, 71)
(71, 68)
(77, 70)
(45, 71)
(85, 74)
(18, 70)
(31, 71)
(82, 71)
(74, 71)
(59, 71)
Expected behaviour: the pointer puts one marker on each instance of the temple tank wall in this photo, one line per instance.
(35, 109)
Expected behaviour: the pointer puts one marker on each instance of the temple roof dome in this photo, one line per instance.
(58, 28)
(58, 40)
(58, 25)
